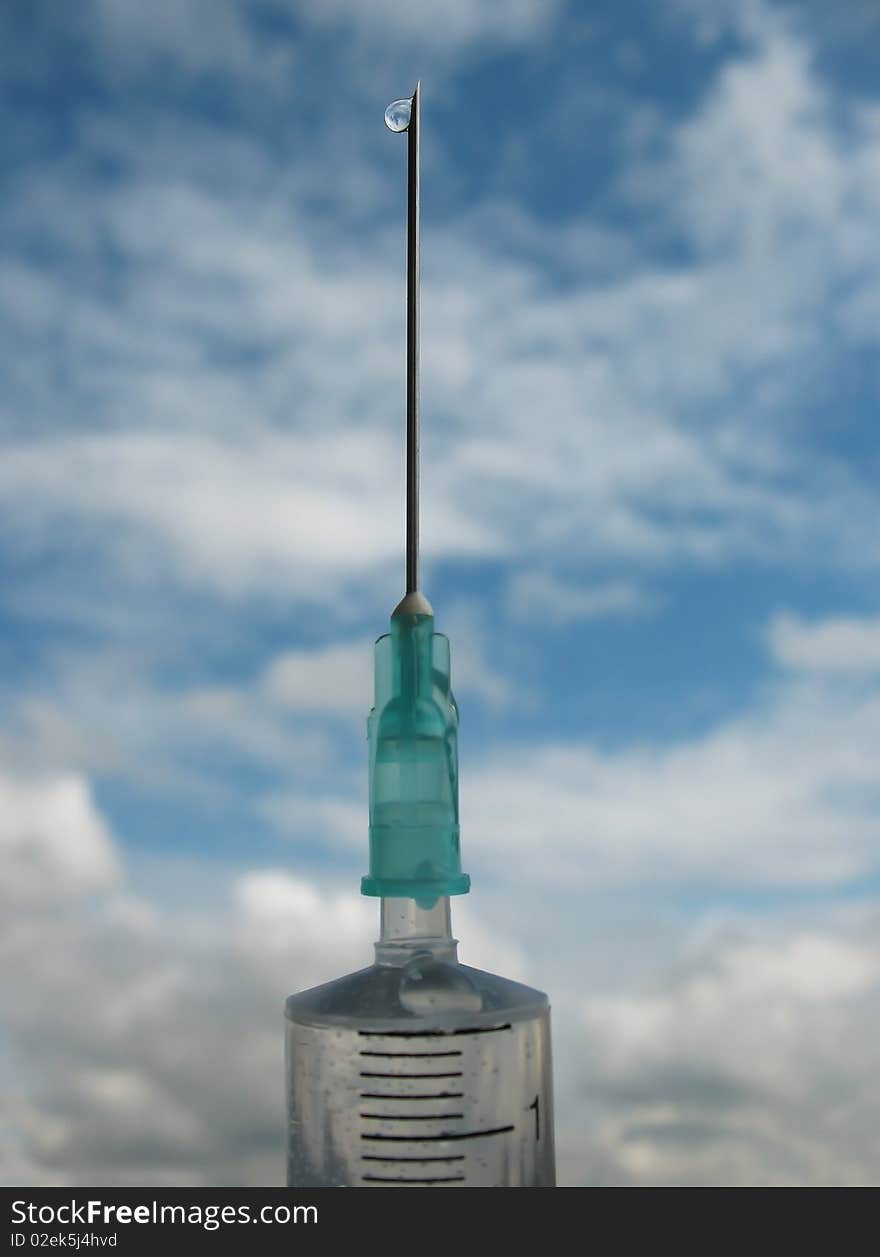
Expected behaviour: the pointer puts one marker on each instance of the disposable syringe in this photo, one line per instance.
(417, 1070)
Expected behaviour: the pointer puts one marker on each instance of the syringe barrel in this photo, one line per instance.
(426, 1074)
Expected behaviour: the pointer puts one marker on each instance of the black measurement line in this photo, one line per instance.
(413, 1182)
(485, 1029)
(416, 1182)
(429, 1095)
(428, 1034)
(419, 1056)
(414, 1160)
(458, 1074)
(415, 1117)
(402, 1034)
(424, 1139)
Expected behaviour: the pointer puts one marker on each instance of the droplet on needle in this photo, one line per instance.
(398, 114)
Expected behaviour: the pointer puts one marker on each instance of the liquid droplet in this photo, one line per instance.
(398, 114)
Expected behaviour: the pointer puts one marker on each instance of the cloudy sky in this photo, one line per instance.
(651, 313)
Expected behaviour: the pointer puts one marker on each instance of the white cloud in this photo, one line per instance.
(782, 796)
(53, 840)
(231, 399)
(276, 511)
(111, 714)
(781, 171)
(147, 1047)
(340, 821)
(541, 597)
(748, 1064)
(773, 182)
(145, 1039)
(454, 24)
(841, 645)
(196, 36)
(332, 679)
(276, 911)
(473, 647)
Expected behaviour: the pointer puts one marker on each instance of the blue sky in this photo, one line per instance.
(651, 301)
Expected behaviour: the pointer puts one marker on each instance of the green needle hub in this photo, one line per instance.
(413, 733)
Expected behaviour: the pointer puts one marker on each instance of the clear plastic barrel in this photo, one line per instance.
(421, 1072)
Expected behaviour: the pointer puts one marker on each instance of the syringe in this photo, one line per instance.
(418, 1070)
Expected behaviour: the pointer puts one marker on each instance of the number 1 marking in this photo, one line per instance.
(537, 1107)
